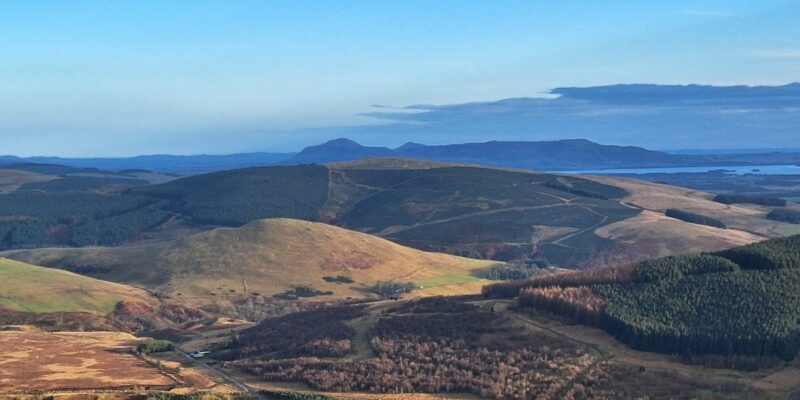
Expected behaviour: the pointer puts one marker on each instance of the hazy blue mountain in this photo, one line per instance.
(338, 150)
(184, 165)
(552, 155)
(558, 155)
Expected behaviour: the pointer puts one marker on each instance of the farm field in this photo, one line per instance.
(39, 361)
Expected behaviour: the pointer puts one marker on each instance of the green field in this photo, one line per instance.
(29, 288)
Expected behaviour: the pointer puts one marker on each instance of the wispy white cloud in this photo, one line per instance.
(777, 53)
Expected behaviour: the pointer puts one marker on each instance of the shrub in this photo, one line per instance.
(338, 279)
(301, 291)
(790, 216)
(156, 346)
(744, 199)
(694, 218)
(392, 289)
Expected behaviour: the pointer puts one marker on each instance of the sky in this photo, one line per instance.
(119, 78)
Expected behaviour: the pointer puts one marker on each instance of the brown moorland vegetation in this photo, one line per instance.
(60, 361)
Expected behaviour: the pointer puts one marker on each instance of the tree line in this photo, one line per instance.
(742, 301)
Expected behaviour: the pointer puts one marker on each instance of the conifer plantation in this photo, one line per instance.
(741, 301)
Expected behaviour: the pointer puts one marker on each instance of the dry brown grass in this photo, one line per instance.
(70, 361)
(268, 257)
(11, 179)
(651, 235)
(658, 197)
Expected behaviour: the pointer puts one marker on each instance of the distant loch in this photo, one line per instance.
(729, 169)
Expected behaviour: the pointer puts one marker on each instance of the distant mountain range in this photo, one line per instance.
(560, 155)
(550, 155)
(183, 165)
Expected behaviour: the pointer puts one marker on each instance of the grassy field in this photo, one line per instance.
(58, 361)
(30, 288)
(651, 234)
(658, 197)
(264, 258)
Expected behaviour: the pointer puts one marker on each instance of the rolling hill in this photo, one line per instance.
(555, 155)
(265, 258)
(33, 289)
(544, 155)
(11, 180)
(471, 211)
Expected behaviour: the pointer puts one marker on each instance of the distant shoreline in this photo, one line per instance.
(786, 169)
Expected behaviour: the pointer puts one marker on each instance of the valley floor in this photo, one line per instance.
(653, 375)
(65, 364)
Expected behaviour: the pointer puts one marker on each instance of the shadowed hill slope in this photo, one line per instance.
(470, 211)
(265, 257)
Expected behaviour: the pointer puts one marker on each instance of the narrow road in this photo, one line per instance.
(599, 354)
(222, 374)
(398, 229)
(504, 309)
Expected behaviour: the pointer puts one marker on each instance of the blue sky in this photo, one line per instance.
(103, 78)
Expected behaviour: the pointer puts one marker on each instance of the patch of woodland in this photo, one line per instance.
(320, 333)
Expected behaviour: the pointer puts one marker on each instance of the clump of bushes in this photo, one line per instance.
(744, 199)
(156, 346)
(511, 271)
(694, 218)
(295, 396)
(790, 216)
(392, 289)
(301, 291)
(338, 279)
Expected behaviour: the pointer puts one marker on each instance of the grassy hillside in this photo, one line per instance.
(659, 198)
(266, 257)
(11, 180)
(29, 288)
(651, 234)
(478, 212)
(469, 211)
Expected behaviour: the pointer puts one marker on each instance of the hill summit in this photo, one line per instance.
(542, 155)
(266, 257)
